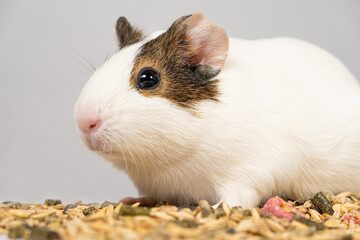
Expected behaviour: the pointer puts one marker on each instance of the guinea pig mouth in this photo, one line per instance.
(94, 143)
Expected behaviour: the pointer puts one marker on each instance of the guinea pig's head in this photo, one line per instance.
(143, 100)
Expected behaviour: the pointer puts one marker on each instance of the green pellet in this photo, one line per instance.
(187, 223)
(127, 210)
(16, 232)
(52, 202)
(43, 233)
(322, 203)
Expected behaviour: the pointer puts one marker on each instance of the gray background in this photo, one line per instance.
(41, 154)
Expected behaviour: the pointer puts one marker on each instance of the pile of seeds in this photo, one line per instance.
(321, 217)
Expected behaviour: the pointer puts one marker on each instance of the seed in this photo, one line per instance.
(192, 208)
(231, 231)
(245, 225)
(219, 212)
(318, 226)
(255, 213)
(90, 221)
(346, 237)
(89, 211)
(52, 202)
(69, 206)
(315, 215)
(15, 205)
(206, 209)
(135, 205)
(42, 215)
(185, 214)
(275, 226)
(298, 225)
(162, 203)
(20, 213)
(106, 203)
(332, 223)
(226, 208)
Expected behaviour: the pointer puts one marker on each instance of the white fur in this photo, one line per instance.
(287, 123)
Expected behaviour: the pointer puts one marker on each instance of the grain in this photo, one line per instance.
(54, 220)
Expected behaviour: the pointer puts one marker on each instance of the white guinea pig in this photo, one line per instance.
(190, 114)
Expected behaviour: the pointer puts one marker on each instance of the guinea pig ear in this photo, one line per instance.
(208, 43)
(127, 34)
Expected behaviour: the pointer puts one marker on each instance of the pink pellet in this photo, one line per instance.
(274, 205)
(348, 218)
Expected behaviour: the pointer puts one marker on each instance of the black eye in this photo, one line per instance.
(148, 79)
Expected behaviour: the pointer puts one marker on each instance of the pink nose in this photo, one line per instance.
(89, 124)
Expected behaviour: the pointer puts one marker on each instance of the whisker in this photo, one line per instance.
(78, 54)
(90, 70)
(82, 72)
(132, 156)
(61, 110)
(68, 94)
(119, 141)
(146, 172)
(90, 61)
(107, 56)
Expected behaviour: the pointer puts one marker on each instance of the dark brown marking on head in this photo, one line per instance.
(185, 80)
(127, 34)
(204, 72)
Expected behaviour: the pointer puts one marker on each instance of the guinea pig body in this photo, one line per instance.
(189, 114)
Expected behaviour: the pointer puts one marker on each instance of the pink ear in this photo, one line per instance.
(209, 42)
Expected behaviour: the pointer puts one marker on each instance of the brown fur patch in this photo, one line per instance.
(181, 81)
(127, 34)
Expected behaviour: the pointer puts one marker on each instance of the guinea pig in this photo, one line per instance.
(190, 114)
